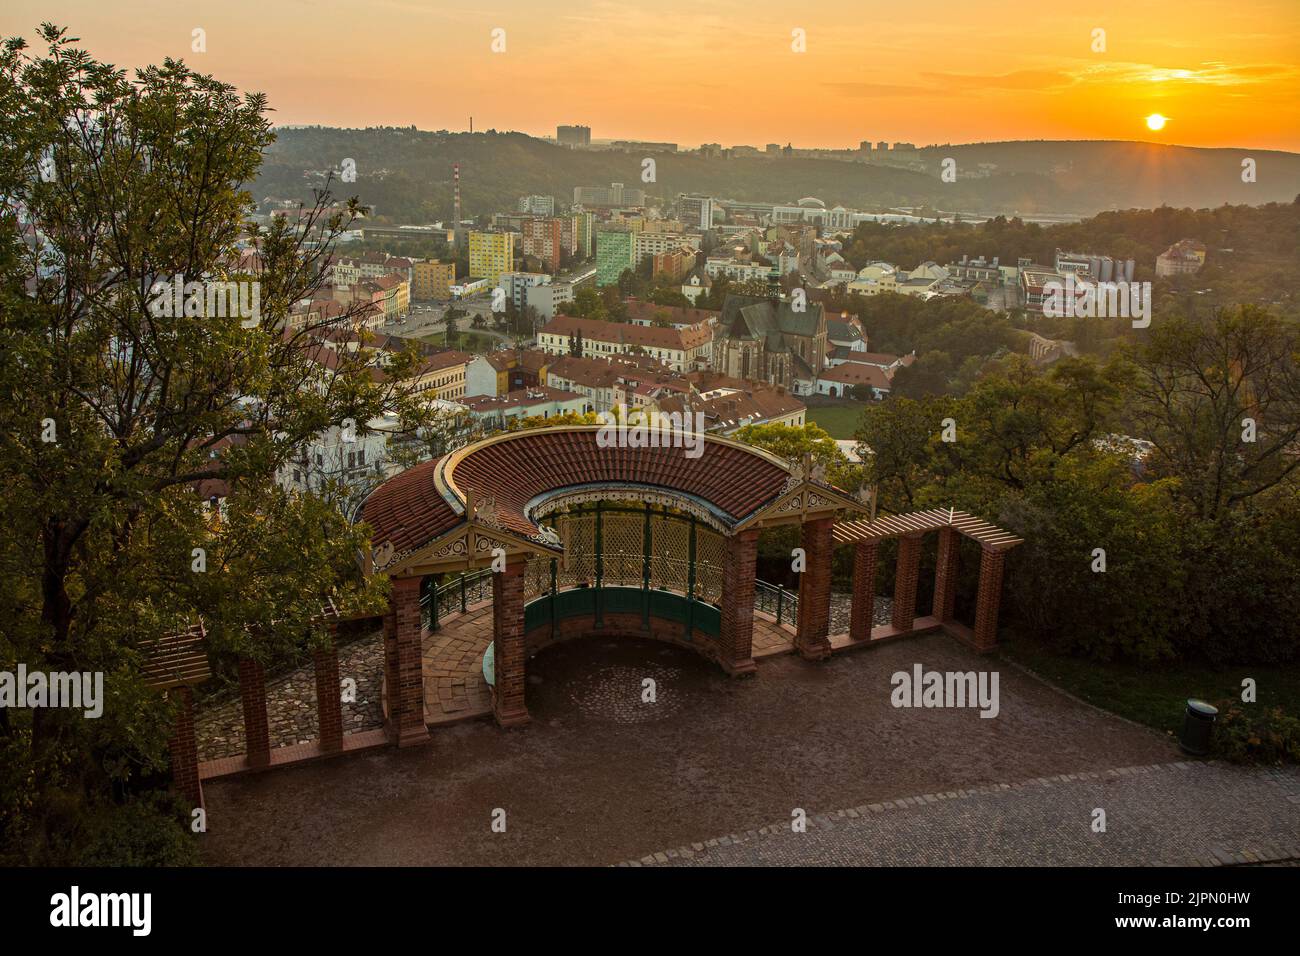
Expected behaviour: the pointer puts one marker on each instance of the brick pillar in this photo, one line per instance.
(508, 653)
(906, 574)
(945, 576)
(864, 590)
(329, 696)
(812, 640)
(390, 673)
(411, 729)
(989, 599)
(252, 696)
(736, 642)
(184, 750)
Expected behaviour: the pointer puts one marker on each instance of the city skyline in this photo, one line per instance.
(731, 73)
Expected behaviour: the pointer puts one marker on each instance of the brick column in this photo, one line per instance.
(864, 590)
(508, 653)
(945, 576)
(390, 673)
(411, 729)
(252, 697)
(905, 579)
(736, 642)
(812, 640)
(989, 599)
(329, 695)
(184, 750)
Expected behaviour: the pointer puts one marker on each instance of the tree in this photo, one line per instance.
(1220, 400)
(119, 407)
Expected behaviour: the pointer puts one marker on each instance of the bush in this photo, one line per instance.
(1256, 734)
(147, 831)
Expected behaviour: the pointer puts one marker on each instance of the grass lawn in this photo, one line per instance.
(466, 341)
(1154, 694)
(838, 420)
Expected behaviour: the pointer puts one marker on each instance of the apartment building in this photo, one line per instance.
(432, 279)
(544, 239)
(490, 254)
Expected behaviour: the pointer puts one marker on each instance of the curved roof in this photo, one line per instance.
(427, 501)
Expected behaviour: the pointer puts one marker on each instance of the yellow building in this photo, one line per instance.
(433, 279)
(490, 254)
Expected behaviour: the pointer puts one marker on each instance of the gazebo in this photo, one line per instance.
(587, 538)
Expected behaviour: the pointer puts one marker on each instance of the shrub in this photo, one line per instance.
(1256, 734)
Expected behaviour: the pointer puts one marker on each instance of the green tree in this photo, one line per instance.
(116, 411)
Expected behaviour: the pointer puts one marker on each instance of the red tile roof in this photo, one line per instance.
(408, 511)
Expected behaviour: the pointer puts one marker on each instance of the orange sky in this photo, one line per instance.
(724, 71)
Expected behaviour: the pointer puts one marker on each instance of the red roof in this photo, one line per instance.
(408, 511)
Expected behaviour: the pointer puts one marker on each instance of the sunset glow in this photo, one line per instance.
(727, 72)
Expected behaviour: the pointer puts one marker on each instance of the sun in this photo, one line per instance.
(1156, 121)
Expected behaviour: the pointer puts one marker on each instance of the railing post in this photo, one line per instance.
(690, 579)
(780, 594)
(600, 566)
(645, 570)
(462, 592)
(434, 623)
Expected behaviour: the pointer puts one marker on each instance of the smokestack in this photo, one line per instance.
(455, 176)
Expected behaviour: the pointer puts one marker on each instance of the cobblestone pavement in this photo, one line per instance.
(453, 675)
(1207, 814)
(593, 780)
(291, 703)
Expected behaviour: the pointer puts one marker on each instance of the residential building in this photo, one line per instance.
(516, 285)
(432, 279)
(548, 297)
(696, 211)
(573, 135)
(490, 254)
(615, 251)
(640, 312)
(680, 349)
(348, 270)
(675, 264)
(612, 195)
(646, 245)
(540, 401)
(1183, 257)
(543, 239)
(537, 205)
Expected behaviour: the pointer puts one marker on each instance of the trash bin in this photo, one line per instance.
(1198, 723)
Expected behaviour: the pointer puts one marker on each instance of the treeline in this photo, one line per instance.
(1187, 547)
(1256, 238)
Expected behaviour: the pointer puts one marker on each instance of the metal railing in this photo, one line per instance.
(455, 596)
(777, 601)
(460, 593)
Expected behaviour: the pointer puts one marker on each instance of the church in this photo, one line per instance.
(768, 340)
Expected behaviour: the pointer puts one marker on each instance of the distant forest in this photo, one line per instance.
(405, 175)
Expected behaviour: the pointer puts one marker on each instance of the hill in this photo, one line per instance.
(405, 174)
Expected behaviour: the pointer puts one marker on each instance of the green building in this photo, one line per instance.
(615, 251)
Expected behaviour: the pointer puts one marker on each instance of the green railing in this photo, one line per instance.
(777, 601)
(643, 602)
